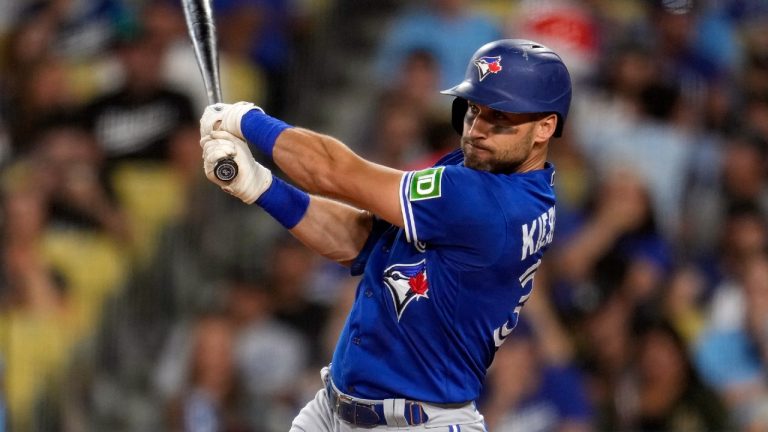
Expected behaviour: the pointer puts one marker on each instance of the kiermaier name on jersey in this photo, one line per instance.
(538, 233)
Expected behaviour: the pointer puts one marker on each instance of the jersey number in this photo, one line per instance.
(526, 283)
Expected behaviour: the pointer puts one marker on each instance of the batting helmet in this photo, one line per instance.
(514, 76)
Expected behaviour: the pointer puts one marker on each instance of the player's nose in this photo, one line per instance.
(477, 127)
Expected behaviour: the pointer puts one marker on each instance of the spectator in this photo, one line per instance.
(535, 383)
(440, 139)
(265, 31)
(666, 393)
(567, 26)
(209, 399)
(528, 393)
(729, 351)
(135, 122)
(241, 77)
(60, 225)
(449, 29)
(395, 133)
(397, 136)
(72, 30)
(38, 320)
(646, 135)
(689, 67)
(618, 246)
(68, 165)
(291, 272)
(43, 96)
(257, 368)
(269, 356)
(685, 295)
(739, 177)
(606, 348)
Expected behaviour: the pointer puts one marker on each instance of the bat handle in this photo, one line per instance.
(225, 169)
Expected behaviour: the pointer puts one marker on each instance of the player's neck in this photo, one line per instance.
(535, 161)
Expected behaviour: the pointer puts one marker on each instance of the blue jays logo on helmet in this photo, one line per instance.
(488, 65)
(406, 282)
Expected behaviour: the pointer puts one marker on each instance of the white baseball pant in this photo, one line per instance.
(317, 416)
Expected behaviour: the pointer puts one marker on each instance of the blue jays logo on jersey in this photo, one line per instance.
(488, 65)
(406, 282)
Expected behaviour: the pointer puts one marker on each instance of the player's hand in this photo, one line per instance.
(252, 178)
(226, 117)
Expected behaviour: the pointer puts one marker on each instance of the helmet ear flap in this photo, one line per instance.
(458, 111)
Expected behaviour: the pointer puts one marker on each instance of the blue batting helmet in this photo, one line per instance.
(515, 76)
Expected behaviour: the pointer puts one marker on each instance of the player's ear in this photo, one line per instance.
(545, 127)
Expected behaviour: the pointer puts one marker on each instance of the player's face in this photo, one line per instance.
(497, 141)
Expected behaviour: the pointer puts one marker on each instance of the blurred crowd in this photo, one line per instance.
(135, 296)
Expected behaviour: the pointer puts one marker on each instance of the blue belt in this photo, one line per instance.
(370, 414)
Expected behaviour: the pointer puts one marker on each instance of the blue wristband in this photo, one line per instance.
(261, 130)
(284, 202)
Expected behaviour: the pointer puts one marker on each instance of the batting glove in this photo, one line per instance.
(225, 117)
(252, 178)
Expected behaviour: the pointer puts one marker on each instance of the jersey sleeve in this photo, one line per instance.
(452, 206)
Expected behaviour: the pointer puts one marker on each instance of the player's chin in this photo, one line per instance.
(489, 163)
(476, 157)
(472, 160)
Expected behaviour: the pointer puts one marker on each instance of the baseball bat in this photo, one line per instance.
(202, 31)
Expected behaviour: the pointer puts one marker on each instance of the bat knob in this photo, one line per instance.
(225, 170)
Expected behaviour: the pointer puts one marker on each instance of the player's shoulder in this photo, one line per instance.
(537, 181)
(450, 177)
(519, 196)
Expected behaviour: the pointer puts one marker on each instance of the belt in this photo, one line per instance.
(370, 413)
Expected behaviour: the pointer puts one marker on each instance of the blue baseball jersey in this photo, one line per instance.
(439, 296)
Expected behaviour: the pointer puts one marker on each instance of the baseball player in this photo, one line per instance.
(448, 254)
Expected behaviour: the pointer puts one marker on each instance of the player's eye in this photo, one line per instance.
(497, 117)
(473, 109)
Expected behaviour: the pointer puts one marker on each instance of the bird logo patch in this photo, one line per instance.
(488, 65)
(406, 282)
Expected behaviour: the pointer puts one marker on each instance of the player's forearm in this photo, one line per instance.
(323, 165)
(334, 230)
(314, 161)
(318, 163)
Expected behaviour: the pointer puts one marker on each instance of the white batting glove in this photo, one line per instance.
(252, 178)
(227, 117)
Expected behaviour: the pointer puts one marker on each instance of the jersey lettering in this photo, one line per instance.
(542, 228)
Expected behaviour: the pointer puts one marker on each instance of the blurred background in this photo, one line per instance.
(135, 296)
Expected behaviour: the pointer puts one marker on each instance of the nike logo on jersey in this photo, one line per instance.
(406, 282)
